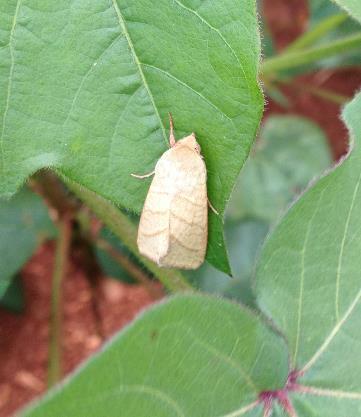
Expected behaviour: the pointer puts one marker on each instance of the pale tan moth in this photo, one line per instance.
(173, 228)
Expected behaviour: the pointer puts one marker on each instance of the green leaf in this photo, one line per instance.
(353, 7)
(244, 240)
(308, 281)
(290, 152)
(24, 224)
(189, 356)
(86, 87)
(13, 298)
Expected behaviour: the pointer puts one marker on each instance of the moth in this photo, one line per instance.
(173, 228)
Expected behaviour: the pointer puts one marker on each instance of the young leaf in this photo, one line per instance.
(308, 281)
(86, 87)
(189, 356)
(24, 223)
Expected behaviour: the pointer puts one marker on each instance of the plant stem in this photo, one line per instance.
(137, 273)
(314, 34)
(297, 58)
(60, 266)
(324, 93)
(120, 224)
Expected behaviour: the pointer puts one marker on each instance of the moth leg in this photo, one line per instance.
(212, 208)
(143, 176)
(171, 131)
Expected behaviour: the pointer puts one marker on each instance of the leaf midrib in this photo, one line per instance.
(340, 320)
(302, 278)
(124, 29)
(342, 248)
(331, 335)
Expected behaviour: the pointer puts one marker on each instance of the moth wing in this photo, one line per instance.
(188, 217)
(173, 226)
(153, 231)
(188, 229)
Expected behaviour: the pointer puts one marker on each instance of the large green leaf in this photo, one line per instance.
(353, 7)
(24, 224)
(190, 356)
(85, 86)
(309, 283)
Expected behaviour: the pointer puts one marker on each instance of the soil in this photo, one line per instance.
(24, 337)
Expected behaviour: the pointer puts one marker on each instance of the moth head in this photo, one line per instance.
(190, 142)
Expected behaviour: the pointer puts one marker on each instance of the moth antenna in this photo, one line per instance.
(171, 131)
(143, 176)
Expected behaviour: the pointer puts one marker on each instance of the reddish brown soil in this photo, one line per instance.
(285, 19)
(24, 338)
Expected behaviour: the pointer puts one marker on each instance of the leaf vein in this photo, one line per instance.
(342, 248)
(203, 20)
(85, 77)
(302, 280)
(166, 73)
(332, 334)
(137, 62)
(324, 392)
(131, 97)
(243, 410)
(144, 389)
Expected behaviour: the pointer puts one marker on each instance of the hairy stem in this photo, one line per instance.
(60, 266)
(136, 272)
